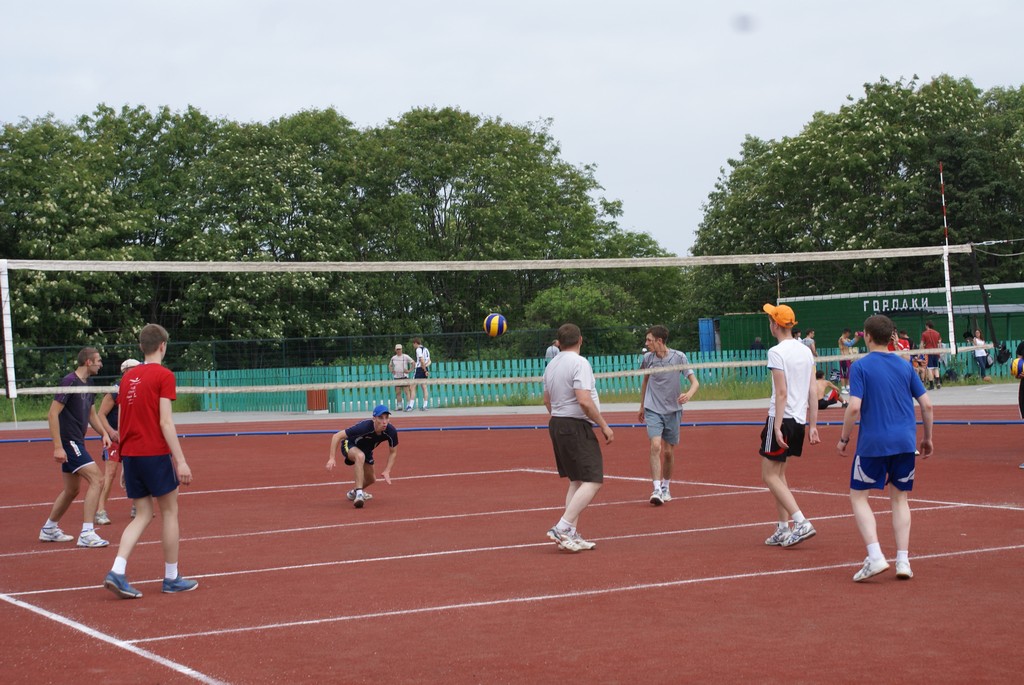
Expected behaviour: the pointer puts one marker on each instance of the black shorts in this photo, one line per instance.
(348, 460)
(577, 451)
(792, 432)
(421, 373)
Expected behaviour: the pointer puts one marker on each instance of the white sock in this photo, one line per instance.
(664, 483)
(50, 524)
(86, 527)
(657, 485)
(120, 565)
(783, 525)
(903, 555)
(564, 526)
(875, 552)
(798, 517)
(170, 571)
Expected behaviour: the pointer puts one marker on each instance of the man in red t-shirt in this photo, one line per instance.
(152, 461)
(931, 340)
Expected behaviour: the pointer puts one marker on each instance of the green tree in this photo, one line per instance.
(866, 177)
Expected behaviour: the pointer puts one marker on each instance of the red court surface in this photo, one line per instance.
(447, 576)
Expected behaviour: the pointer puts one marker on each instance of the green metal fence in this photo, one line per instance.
(444, 394)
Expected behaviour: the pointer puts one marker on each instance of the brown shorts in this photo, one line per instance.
(577, 451)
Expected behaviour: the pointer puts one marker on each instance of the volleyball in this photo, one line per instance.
(1017, 367)
(495, 325)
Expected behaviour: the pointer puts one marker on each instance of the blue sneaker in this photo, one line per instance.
(118, 584)
(179, 584)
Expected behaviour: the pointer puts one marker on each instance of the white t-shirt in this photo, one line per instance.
(564, 375)
(400, 365)
(422, 357)
(795, 360)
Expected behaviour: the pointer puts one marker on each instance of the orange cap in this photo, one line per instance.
(782, 314)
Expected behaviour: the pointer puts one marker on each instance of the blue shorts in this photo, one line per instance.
(78, 458)
(664, 426)
(869, 473)
(148, 476)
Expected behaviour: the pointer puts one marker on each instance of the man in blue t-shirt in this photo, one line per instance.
(70, 413)
(357, 443)
(883, 387)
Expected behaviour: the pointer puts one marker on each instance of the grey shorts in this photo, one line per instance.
(664, 426)
(577, 451)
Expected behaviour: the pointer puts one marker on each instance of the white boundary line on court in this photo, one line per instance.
(453, 552)
(126, 645)
(544, 598)
(738, 490)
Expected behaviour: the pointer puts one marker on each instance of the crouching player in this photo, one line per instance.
(357, 443)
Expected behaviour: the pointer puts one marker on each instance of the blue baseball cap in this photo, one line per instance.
(381, 409)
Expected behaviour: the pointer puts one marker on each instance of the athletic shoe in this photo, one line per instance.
(583, 544)
(91, 539)
(399, 408)
(666, 496)
(424, 407)
(118, 584)
(359, 500)
(903, 571)
(778, 537)
(179, 584)
(564, 540)
(845, 405)
(799, 533)
(656, 499)
(408, 407)
(1021, 466)
(102, 519)
(351, 495)
(938, 386)
(871, 568)
(54, 534)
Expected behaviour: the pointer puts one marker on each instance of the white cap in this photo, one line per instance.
(129, 363)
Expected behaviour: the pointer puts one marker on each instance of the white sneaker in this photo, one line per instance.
(564, 540)
(656, 498)
(583, 544)
(54, 534)
(778, 537)
(359, 500)
(800, 533)
(870, 568)
(408, 407)
(903, 571)
(666, 496)
(91, 539)
(102, 519)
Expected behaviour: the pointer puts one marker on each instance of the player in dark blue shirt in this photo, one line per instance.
(69, 416)
(357, 443)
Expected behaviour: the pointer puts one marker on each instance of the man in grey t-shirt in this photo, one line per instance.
(661, 400)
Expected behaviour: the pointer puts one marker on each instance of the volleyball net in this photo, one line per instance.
(274, 336)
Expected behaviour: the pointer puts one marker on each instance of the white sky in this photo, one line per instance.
(658, 95)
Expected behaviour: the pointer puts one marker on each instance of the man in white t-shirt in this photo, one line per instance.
(794, 407)
(570, 396)
(422, 373)
(400, 366)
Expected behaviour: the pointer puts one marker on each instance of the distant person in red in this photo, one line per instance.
(152, 462)
(931, 339)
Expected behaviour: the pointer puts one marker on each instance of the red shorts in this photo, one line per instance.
(114, 452)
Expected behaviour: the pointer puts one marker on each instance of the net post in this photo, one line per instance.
(5, 295)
